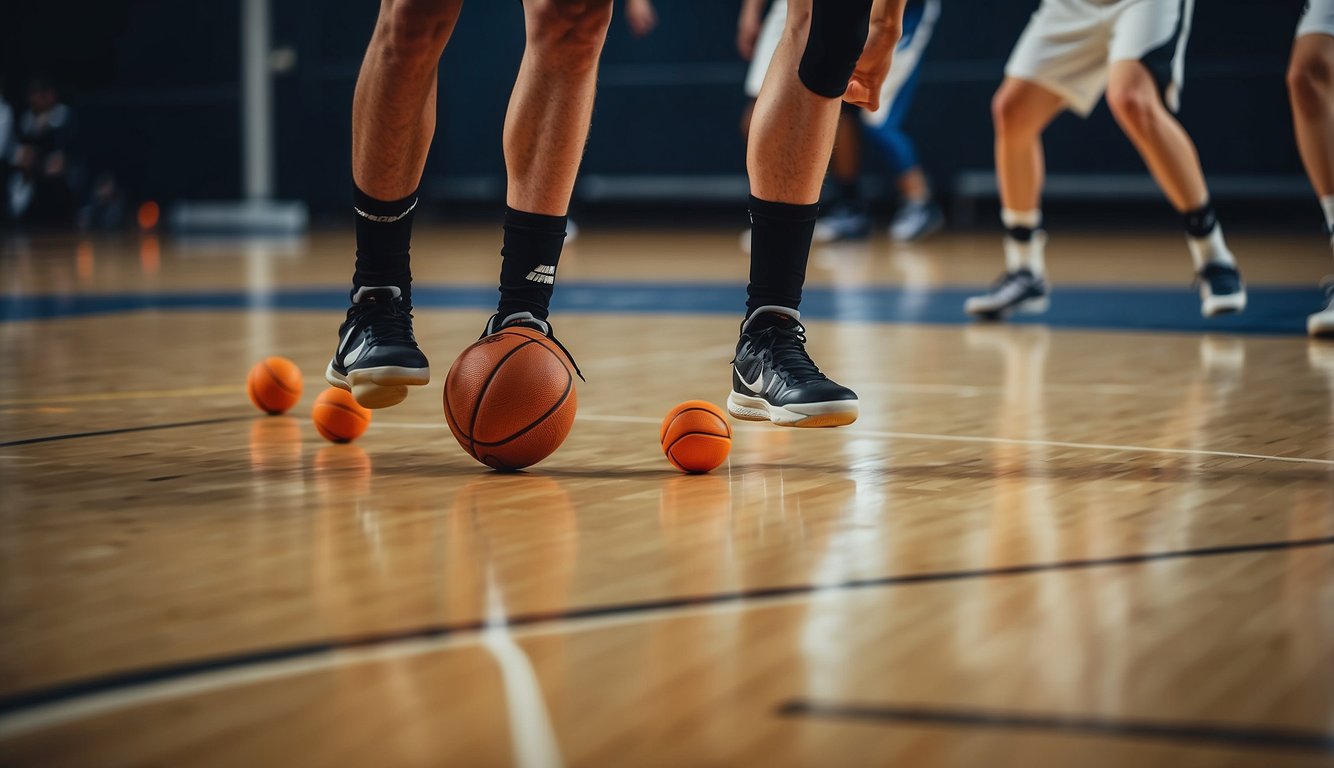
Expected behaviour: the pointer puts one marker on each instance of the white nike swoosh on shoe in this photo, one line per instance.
(354, 355)
(343, 341)
(758, 386)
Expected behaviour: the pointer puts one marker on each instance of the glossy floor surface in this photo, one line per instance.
(1075, 543)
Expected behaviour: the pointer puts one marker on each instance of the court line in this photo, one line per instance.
(41, 706)
(97, 397)
(1010, 441)
(123, 431)
(1165, 730)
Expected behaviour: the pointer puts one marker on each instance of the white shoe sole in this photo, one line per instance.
(1026, 307)
(836, 413)
(1213, 306)
(379, 387)
(1321, 324)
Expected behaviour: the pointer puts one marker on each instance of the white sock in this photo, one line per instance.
(1018, 254)
(1011, 218)
(1210, 249)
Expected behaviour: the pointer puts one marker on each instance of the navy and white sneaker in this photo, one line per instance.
(842, 222)
(1221, 290)
(377, 357)
(915, 221)
(1321, 324)
(496, 323)
(1019, 291)
(773, 379)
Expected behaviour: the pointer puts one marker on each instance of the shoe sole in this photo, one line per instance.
(1027, 307)
(1321, 326)
(835, 413)
(379, 387)
(1230, 304)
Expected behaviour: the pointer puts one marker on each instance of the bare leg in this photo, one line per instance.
(1165, 146)
(393, 109)
(913, 185)
(792, 129)
(552, 104)
(1020, 112)
(1311, 85)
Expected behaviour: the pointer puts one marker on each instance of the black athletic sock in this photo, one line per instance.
(384, 232)
(529, 258)
(1020, 234)
(1201, 221)
(780, 243)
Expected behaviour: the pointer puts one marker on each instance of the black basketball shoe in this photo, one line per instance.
(1018, 291)
(528, 320)
(1222, 291)
(377, 357)
(773, 379)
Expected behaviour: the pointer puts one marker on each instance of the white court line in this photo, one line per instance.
(44, 716)
(965, 439)
(1007, 441)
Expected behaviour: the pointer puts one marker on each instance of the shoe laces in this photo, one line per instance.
(387, 320)
(1016, 280)
(543, 327)
(785, 349)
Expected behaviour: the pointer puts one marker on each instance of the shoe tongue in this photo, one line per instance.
(376, 293)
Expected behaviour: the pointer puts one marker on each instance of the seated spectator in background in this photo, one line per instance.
(39, 187)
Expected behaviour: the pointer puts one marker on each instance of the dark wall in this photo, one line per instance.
(155, 82)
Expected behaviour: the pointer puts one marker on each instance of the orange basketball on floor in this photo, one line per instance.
(338, 417)
(274, 385)
(696, 436)
(510, 399)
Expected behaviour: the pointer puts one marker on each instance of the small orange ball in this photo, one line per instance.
(274, 385)
(696, 436)
(338, 416)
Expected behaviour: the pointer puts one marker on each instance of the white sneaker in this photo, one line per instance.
(1322, 323)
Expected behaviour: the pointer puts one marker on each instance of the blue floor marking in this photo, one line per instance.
(1273, 310)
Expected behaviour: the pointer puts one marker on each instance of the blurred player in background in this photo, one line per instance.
(393, 122)
(1311, 85)
(846, 216)
(40, 187)
(829, 51)
(1070, 53)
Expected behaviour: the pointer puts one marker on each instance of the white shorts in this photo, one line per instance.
(1318, 19)
(1069, 45)
(906, 57)
(771, 32)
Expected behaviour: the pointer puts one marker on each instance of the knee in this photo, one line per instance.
(412, 29)
(1009, 116)
(1135, 107)
(571, 30)
(1309, 82)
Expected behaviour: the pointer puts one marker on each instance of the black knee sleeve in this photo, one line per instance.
(838, 34)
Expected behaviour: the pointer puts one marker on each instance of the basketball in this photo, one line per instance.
(510, 399)
(338, 417)
(274, 385)
(695, 436)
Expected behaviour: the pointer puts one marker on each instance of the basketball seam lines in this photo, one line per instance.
(726, 426)
(342, 407)
(278, 381)
(688, 434)
(477, 406)
(569, 384)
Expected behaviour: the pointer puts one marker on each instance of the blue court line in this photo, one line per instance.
(1273, 310)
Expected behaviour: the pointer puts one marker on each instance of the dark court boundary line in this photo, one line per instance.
(122, 431)
(149, 675)
(1215, 734)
